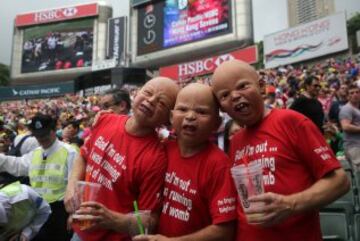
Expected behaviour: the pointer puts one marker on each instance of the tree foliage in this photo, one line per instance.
(260, 63)
(4, 75)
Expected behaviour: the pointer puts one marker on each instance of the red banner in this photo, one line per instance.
(54, 15)
(208, 65)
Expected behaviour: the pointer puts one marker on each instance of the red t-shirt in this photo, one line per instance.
(294, 156)
(198, 191)
(128, 167)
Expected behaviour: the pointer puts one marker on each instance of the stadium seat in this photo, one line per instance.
(357, 226)
(336, 226)
(348, 202)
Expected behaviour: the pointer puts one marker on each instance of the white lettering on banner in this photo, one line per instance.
(262, 153)
(50, 91)
(47, 15)
(55, 14)
(209, 22)
(196, 67)
(29, 92)
(116, 39)
(305, 32)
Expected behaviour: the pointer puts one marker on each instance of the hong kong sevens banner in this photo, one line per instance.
(321, 37)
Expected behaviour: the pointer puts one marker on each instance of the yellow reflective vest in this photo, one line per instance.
(47, 176)
(21, 213)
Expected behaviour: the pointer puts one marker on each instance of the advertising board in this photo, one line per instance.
(169, 23)
(321, 37)
(207, 65)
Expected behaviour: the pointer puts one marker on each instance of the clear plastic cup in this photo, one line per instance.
(85, 191)
(249, 182)
(140, 221)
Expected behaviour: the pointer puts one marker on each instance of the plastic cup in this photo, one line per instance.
(143, 218)
(85, 191)
(249, 182)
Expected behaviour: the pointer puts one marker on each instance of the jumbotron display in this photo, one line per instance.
(58, 46)
(188, 21)
(168, 32)
(171, 23)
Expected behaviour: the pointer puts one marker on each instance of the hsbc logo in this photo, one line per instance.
(60, 14)
(69, 12)
(56, 14)
(202, 66)
(223, 58)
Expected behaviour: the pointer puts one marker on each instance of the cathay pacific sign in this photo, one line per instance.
(35, 91)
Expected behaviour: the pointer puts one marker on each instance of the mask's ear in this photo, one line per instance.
(171, 117)
(217, 123)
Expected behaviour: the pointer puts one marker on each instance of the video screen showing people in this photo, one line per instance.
(58, 46)
(190, 20)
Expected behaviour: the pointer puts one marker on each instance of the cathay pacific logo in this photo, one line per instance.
(15, 92)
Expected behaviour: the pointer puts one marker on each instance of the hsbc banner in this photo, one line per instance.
(150, 28)
(116, 38)
(54, 15)
(208, 65)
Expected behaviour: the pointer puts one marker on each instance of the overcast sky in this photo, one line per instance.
(269, 16)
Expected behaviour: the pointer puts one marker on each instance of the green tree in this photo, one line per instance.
(4, 75)
(260, 63)
(353, 25)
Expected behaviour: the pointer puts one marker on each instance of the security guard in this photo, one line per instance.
(22, 212)
(48, 168)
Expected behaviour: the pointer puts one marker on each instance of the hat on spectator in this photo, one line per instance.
(270, 89)
(41, 124)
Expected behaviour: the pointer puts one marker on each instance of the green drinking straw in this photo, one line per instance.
(138, 218)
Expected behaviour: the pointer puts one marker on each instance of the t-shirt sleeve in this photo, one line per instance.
(313, 149)
(345, 113)
(222, 195)
(151, 185)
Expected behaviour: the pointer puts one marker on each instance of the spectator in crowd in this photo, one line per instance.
(23, 143)
(48, 167)
(301, 174)
(129, 147)
(205, 169)
(22, 212)
(117, 100)
(339, 101)
(307, 103)
(231, 127)
(325, 99)
(350, 123)
(70, 134)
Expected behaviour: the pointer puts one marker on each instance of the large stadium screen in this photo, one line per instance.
(58, 46)
(171, 23)
(190, 20)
